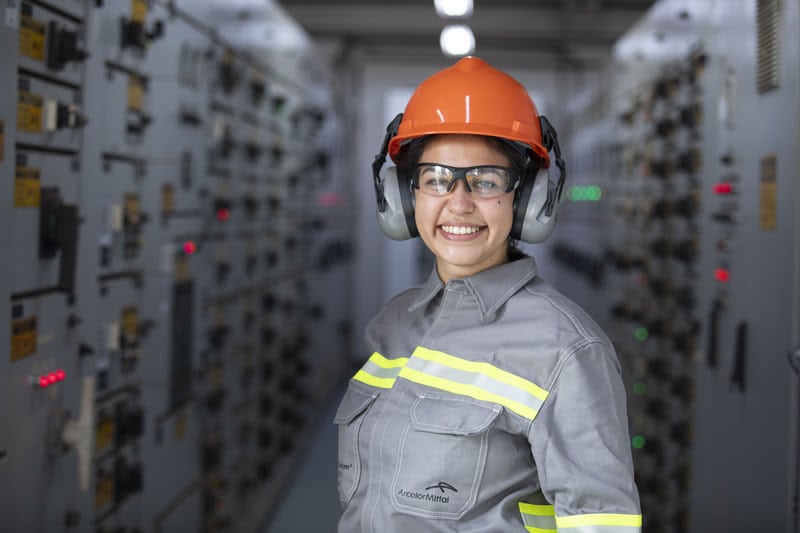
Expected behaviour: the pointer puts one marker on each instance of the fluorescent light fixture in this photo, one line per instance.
(457, 40)
(453, 8)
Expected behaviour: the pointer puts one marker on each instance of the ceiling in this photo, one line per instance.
(526, 32)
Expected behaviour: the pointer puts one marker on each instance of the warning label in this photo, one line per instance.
(23, 338)
(27, 187)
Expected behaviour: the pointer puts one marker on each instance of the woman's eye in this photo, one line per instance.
(435, 182)
(485, 185)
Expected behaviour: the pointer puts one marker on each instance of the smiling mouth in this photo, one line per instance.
(461, 230)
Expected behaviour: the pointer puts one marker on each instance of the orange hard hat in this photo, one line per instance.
(471, 97)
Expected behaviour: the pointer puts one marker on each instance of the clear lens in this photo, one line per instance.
(485, 181)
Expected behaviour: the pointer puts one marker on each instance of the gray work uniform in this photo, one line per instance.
(491, 403)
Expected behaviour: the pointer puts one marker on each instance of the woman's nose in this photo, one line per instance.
(459, 199)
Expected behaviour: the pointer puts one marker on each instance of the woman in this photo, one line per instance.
(490, 402)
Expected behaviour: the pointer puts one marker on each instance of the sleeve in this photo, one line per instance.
(581, 446)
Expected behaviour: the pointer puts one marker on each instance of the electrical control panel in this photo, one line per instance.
(680, 234)
(175, 280)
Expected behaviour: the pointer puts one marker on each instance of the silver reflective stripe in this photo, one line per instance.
(379, 371)
(600, 523)
(476, 379)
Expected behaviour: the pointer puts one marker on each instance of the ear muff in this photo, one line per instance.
(536, 202)
(396, 220)
(532, 223)
(395, 200)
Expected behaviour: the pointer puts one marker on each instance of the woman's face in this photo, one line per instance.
(467, 234)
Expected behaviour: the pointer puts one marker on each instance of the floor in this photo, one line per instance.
(311, 504)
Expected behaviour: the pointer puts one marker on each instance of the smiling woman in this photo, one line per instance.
(491, 402)
(465, 231)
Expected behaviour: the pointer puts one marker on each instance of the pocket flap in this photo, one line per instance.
(353, 404)
(452, 415)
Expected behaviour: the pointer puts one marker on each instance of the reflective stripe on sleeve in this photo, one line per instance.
(600, 523)
(538, 518)
(379, 371)
(479, 380)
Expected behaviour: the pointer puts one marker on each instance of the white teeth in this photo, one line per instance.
(461, 230)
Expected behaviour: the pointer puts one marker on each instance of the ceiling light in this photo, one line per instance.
(453, 8)
(457, 40)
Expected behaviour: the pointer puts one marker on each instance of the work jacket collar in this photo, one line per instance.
(491, 288)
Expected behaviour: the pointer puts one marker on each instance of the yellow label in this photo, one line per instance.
(104, 433)
(31, 38)
(23, 338)
(138, 10)
(181, 268)
(135, 93)
(768, 202)
(181, 425)
(29, 112)
(27, 187)
(131, 208)
(130, 322)
(103, 492)
(167, 197)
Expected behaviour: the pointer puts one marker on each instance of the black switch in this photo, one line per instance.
(62, 47)
(739, 372)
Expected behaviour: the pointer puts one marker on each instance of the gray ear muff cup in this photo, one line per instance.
(397, 220)
(531, 223)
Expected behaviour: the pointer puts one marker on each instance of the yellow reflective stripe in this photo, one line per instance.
(369, 379)
(538, 518)
(383, 362)
(479, 380)
(379, 371)
(480, 367)
(583, 520)
(537, 509)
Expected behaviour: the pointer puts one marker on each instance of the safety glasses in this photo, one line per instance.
(484, 181)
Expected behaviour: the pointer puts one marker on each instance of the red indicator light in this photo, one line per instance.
(722, 188)
(51, 378)
(223, 214)
(189, 247)
(331, 199)
(722, 275)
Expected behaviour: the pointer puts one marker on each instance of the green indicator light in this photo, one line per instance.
(572, 194)
(637, 442)
(594, 193)
(584, 193)
(640, 334)
(639, 387)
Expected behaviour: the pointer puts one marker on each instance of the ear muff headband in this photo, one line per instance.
(380, 159)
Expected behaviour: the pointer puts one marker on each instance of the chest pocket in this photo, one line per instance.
(349, 418)
(441, 457)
